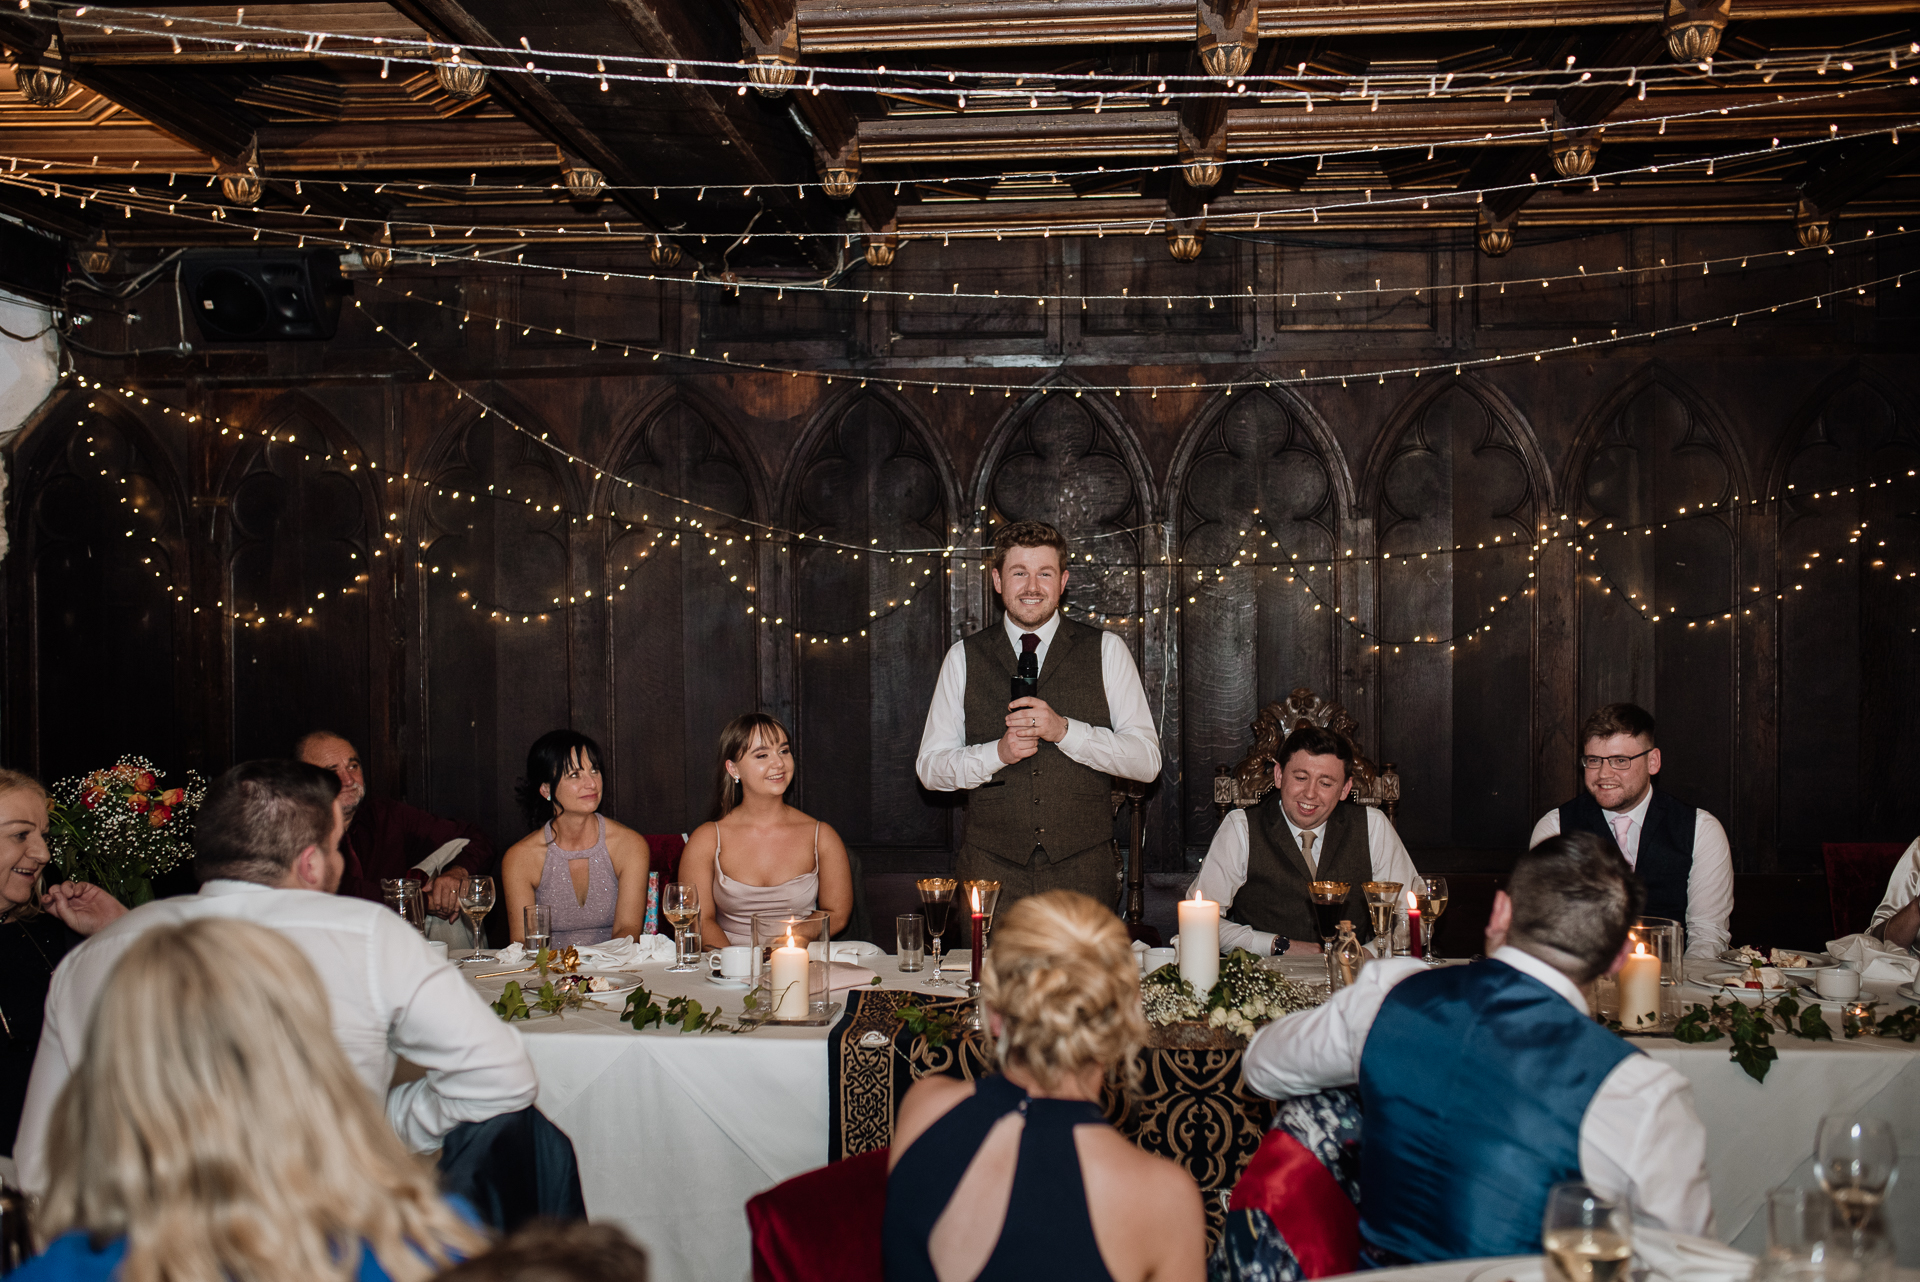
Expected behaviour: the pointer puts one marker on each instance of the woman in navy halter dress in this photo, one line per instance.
(1018, 1175)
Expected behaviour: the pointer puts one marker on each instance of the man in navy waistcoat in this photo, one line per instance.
(1484, 1085)
(1680, 852)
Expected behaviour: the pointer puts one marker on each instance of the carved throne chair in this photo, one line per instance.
(1244, 785)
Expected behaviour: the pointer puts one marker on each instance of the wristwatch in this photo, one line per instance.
(1280, 943)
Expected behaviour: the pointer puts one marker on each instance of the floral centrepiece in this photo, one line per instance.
(119, 828)
(1246, 996)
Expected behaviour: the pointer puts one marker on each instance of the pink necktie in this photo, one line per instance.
(1621, 825)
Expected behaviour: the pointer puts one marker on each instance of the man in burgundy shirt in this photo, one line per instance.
(392, 839)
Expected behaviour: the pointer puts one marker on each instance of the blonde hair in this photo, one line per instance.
(216, 1125)
(9, 781)
(1062, 976)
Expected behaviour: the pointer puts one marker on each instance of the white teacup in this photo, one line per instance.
(1837, 984)
(732, 962)
(439, 947)
(1158, 957)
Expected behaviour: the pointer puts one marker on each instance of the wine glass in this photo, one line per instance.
(476, 901)
(1329, 902)
(1857, 1161)
(681, 904)
(936, 900)
(1431, 902)
(1588, 1237)
(1383, 901)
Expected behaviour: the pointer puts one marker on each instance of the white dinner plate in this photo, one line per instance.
(1736, 981)
(1815, 961)
(1909, 991)
(1525, 1269)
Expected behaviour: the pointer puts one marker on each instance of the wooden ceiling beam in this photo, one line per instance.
(1344, 126)
(462, 145)
(873, 26)
(136, 38)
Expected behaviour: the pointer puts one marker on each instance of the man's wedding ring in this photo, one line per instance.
(1032, 722)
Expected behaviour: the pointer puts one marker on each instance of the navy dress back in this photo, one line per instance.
(1047, 1232)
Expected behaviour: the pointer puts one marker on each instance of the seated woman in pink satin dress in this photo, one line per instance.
(760, 855)
(591, 870)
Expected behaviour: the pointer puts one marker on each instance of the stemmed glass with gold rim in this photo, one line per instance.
(1383, 900)
(1329, 906)
(936, 902)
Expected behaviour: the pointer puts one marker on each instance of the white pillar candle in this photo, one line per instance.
(1640, 989)
(790, 981)
(1200, 943)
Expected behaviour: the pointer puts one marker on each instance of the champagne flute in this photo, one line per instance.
(476, 901)
(1383, 900)
(1856, 1160)
(1329, 907)
(1431, 902)
(936, 901)
(1588, 1237)
(681, 904)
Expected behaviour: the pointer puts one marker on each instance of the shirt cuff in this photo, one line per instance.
(982, 764)
(1071, 741)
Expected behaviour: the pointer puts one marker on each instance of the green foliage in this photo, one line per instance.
(512, 1004)
(1750, 1028)
(1903, 1023)
(1246, 995)
(554, 1000)
(937, 1026)
(643, 1010)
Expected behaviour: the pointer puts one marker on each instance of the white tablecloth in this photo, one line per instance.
(675, 1132)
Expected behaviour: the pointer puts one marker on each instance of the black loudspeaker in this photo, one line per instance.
(265, 296)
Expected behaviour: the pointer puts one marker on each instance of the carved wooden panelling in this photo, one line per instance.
(1511, 295)
(760, 315)
(103, 604)
(496, 670)
(870, 482)
(1453, 709)
(1257, 496)
(1848, 630)
(1653, 460)
(682, 643)
(618, 311)
(1065, 465)
(1347, 291)
(929, 271)
(1128, 291)
(298, 573)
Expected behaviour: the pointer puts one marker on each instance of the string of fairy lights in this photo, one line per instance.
(203, 29)
(181, 207)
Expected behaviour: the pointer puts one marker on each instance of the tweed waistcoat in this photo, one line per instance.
(1048, 799)
(1275, 897)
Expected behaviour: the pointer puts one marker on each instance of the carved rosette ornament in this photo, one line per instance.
(460, 78)
(1574, 150)
(775, 55)
(1185, 245)
(1810, 225)
(97, 257)
(1693, 28)
(880, 249)
(1494, 235)
(1202, 174)
(377, 258)
(240, 183)
(42, 86)
(664, 253)
(772, 75)
(1227, 31)
(839, 184)
(584, 182)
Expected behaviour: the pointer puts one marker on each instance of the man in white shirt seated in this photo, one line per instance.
(1681, 853)
(1897, 919)
(1481, 1086)
(1264, 858)
(267, 850)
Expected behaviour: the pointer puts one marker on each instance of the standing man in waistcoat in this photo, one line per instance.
(1680, 853)
(1485, 1085)
(1039, 815)
(1305, 830)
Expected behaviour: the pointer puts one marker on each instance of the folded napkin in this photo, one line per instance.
(1680, 1258)
(846, 950)
(1875, 959)
(623, 953)
(845, 976)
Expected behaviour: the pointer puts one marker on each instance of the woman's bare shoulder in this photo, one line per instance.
(531, 846)
(927, 1101)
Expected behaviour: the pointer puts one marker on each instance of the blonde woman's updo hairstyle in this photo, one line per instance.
(1062, 976)
(214, 1122)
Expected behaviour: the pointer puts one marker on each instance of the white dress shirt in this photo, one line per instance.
(1903, 887)
(1709, 885)
(1131, 749)
(390, 996)
(1225, 870)
(1639, 1136)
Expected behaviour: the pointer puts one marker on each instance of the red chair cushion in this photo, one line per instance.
(1857, 873)
(1305, 1203)
(665, 850)
(823, 1226)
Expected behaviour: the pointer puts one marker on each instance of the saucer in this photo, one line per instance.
(721, 981)
(1909, 991)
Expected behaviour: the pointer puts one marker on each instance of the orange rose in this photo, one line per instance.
(145, 781)
(92, 797)
(159, 815)
(139, 803)
(172, 797)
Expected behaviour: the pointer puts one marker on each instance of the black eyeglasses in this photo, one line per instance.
(1618, 763)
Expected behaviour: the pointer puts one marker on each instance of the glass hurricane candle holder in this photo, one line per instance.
(795, 967)
(1661, 935)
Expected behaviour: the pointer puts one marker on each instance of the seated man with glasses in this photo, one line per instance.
(1680, 853)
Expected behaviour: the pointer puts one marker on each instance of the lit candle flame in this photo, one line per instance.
(1413, 904)
(1639, 950)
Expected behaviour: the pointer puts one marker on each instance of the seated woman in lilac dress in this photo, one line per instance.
(591, 870)
(760, 855)
(213, 1127)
